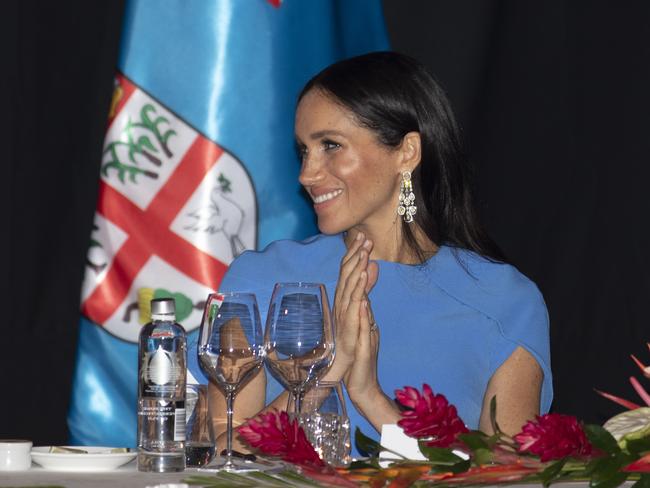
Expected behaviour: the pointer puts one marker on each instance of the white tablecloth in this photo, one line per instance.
(129, 477)
(126, 476)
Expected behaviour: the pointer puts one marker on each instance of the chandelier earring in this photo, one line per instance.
(406, 207)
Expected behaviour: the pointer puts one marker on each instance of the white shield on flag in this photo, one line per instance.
(174, 210)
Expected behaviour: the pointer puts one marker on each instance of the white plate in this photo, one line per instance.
(97, 459)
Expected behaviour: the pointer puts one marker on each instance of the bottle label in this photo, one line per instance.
(163, 421)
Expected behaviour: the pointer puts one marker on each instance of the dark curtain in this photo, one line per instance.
(553, 98)
(58, 60)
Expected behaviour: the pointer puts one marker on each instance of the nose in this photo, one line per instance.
(311, 171)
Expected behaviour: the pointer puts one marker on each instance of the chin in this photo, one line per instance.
(330, 228)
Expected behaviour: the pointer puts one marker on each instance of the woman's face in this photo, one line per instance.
(351, 177)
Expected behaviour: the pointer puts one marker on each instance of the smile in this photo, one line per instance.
(327, 196)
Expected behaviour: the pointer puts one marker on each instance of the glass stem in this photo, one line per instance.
(230, 398)
(298, 397)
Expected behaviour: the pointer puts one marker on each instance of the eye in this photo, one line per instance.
(301, 151)
(329, 145)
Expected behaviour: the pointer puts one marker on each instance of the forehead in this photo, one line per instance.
(318, 111)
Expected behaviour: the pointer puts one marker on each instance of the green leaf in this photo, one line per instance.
(160, 119)
(167, 134)
(611, 482)
(460, 467)
(439, 455)
(474, 440)
(144, 141)
(592, 466)
(483, 456)
(601, 439)
(642, 482)
(365, 445)
(638, 446)
(552, 472)
(370, 463)
(606, 472)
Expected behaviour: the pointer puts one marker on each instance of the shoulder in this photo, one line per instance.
(496, 289)
(496, 277)
(287, 249)
(286, 258)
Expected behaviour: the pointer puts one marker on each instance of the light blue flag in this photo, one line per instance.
(198, 165)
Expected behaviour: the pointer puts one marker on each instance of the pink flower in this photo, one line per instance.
(429, 416)
(553, 436)
(275, 435)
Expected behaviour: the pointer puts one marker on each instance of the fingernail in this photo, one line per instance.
(359, 236)
(367, 244)
(364, 274)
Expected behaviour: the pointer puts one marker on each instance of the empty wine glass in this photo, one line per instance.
(231, 351)
(299, 336)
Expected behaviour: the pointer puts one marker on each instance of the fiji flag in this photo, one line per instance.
(198, 166)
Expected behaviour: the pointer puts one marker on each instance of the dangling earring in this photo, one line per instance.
(406, 207)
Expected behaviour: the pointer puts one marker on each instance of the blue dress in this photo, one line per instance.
(450, 322)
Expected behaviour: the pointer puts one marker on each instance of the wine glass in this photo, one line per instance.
(299, 336)
(324, 418)
(230, 351)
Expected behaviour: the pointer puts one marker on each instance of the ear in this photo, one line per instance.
(411, 151)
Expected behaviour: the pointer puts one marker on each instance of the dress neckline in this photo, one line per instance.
(442, 251)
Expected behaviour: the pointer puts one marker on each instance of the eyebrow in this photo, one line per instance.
(317, 135)
(326, 132)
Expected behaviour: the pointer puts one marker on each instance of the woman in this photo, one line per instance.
(421, 275)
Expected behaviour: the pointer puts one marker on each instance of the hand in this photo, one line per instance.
(357, 276)
(361, 378)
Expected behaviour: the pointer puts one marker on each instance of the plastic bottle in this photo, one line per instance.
(162, 374)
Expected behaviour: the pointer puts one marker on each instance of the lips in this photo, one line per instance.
(326, 196)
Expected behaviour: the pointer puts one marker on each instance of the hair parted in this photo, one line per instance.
(392, 94)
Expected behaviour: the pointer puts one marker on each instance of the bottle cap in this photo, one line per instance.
(163, 306)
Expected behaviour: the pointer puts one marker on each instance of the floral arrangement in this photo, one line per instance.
(553, 447)
(550, 448)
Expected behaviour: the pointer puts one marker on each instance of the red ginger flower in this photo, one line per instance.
(553, 436)
(275, 435)
(429, 416)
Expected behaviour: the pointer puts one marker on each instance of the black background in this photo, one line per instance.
(553, 98)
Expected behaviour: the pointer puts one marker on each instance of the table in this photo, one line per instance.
(125, 476)
(129, 477)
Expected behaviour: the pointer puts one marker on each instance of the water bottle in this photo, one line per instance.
(162, 353)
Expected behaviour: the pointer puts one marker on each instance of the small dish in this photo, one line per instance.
(94, 459)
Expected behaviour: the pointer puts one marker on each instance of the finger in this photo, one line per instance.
(354, 247)
(373, 274)
(346, 262)
(348, 280)
(363, 344)
(353, 311)
(352, 262)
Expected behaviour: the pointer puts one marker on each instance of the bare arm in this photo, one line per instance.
(517, 385)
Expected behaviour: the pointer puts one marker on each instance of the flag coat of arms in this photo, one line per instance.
(198, 166)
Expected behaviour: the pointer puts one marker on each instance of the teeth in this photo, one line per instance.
(327, 196)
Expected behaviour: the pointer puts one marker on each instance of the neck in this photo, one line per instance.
(390, 245)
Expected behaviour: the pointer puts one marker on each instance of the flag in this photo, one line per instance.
(198, 165)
